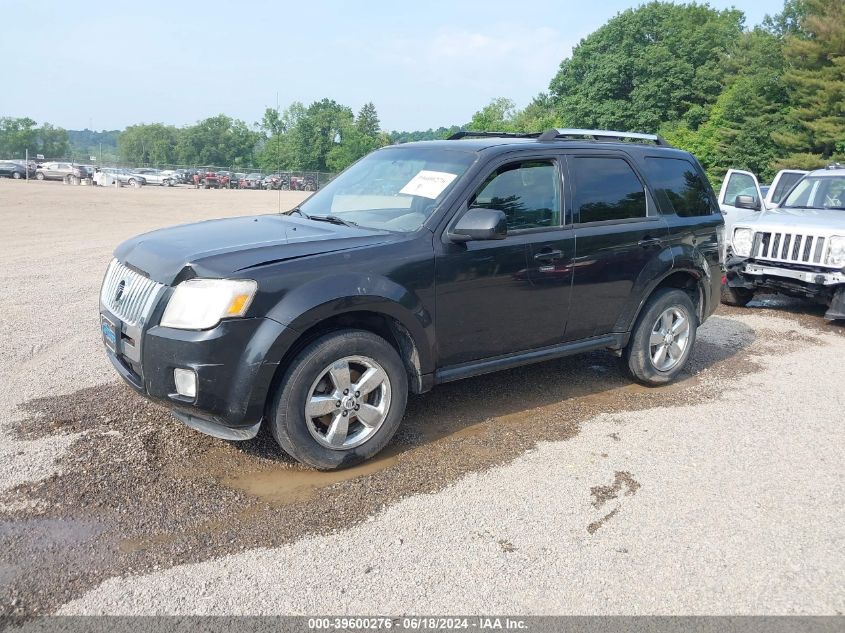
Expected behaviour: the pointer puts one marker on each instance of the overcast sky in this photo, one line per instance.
(423, 64)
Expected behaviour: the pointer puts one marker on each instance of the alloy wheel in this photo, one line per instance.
(669, 339)
(348, 402)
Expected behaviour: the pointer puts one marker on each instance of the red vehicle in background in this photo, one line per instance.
(251, 181)
(224, 179)
(206, 180)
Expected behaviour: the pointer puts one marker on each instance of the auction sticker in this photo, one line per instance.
(428, 184)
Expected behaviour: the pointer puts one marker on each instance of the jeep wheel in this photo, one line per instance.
(340, 401)
(662, 338)
(736, 296)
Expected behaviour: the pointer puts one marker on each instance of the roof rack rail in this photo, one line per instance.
(601, 135)
(472, 134)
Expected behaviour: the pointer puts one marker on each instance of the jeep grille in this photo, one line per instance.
(128, 295)
(795, 248)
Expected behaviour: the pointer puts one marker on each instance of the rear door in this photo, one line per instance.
(738, 183)
(620, 238)
(783, 183)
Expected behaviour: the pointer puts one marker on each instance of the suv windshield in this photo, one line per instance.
(818, 192)
(394, 188)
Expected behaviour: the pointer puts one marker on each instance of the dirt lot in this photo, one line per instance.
(558, 488)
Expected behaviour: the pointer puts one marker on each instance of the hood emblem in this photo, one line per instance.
(118, 295)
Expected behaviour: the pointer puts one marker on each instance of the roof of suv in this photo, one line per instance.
(829, 171)
(490, 141)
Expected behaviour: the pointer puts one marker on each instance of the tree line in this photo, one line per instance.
(761, 99)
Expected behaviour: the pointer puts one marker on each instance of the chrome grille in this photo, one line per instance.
(127, 294)
(795, 248)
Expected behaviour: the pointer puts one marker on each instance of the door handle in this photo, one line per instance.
(650, 242)
(548, 255)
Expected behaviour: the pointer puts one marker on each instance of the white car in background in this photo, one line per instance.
(155, 177)
(796, 248)
(743, 183)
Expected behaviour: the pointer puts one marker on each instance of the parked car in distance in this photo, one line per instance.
(743, 183)
(251, 181)
(796, 248)
(17, 171)
(209, 180)
(480, 256)
(68, 172)
(154, 176)
(271, 181)
(107, 176)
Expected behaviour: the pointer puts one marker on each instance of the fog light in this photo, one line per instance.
(186, 382)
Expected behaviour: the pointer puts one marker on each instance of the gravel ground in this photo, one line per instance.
(557, 488)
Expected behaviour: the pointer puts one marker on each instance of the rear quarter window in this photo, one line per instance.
(678, 187)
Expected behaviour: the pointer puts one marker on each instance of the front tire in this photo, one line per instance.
(16, 175)
(39, 175)
(739, 297)
(663, 337)
(341, 400)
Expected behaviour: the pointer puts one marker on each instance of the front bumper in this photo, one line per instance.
(820, 284)
(234, 362)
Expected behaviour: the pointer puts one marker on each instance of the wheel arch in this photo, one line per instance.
(690, 280)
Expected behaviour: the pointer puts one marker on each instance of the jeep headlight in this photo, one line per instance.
(742, 241)
(198, 304)
(836, 251)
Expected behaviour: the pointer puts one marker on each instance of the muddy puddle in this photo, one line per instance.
(162, 494)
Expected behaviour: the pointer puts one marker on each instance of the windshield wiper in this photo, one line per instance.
(300, 212)
(332, 219)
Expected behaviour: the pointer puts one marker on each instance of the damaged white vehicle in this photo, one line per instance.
(796, 248)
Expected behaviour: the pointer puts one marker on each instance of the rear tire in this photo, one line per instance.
(739, 297)
(317, 377)
(663, 337)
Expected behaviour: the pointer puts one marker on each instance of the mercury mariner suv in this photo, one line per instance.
(421, 264)
(797, 248)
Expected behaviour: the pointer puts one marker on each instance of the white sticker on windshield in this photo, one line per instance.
(428, 184)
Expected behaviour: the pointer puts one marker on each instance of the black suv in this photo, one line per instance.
(421, 264)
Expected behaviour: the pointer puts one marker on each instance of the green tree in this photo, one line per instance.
(367, 121)
(148, 144)
(497, 116)
(815, 81)
(218, 141)
(736, 131)
(16, 136)
(52, 141)
(645, 67)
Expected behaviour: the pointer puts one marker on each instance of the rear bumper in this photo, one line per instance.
(234, 364)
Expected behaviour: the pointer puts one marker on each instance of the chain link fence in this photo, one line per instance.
(234, 176)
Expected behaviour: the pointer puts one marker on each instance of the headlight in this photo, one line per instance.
(742, 241)
(836, 251)
(198, 304)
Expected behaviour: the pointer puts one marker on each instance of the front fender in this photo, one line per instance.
(308, 304)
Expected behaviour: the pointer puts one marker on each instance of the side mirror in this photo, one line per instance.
(746, 202)
(480, 224)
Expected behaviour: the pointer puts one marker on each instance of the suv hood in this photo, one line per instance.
(225, 248)
(817, 220)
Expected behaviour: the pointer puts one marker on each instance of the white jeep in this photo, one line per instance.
(796, 248)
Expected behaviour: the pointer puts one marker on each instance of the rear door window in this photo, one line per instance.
(678, 187)
(605, 189)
